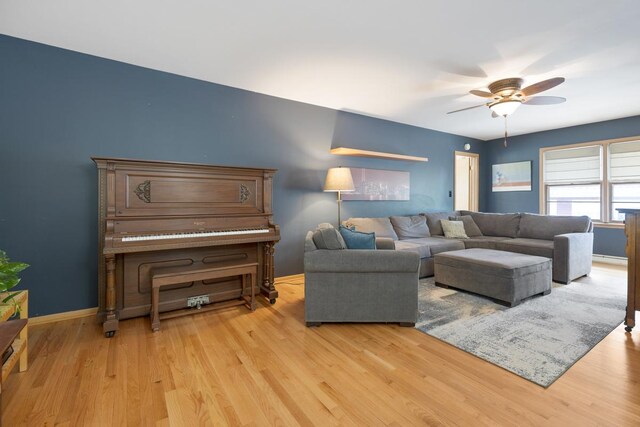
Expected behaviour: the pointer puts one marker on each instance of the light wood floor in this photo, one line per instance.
(267, 368)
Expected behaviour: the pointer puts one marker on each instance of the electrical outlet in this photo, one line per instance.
(198, 301)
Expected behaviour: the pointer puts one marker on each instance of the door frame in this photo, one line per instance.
(474, 190)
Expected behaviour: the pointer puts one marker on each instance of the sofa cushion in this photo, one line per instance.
(547, 227)
(537, 247)
(410, 227)
(445, 245)
(385, 243)
(428, 246)
(470, 226)
(485, 242)
(381, 226)
(492, 262)
(358, 239)
(433, 221)
(453, 229)
(327, 237)
(496, 224)
(417, 246)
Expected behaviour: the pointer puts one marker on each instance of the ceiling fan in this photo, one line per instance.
(507, 95)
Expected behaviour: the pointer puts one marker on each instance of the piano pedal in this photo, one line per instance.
(197, 301)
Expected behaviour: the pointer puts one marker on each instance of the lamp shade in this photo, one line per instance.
(505, 108)
(339, 179)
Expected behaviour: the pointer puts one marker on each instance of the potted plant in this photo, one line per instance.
(9, 277)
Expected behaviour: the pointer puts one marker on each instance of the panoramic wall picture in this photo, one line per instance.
(378, 184)
(511, 177)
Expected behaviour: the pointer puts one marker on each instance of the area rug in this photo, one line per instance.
(539, 339)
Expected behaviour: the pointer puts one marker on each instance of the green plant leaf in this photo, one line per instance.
(13, 267)
(8, 282)
(9, 272)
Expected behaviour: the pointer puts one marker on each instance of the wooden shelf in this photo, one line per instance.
(19, 345)
(344, 151)
(7, 309)
(20, 352)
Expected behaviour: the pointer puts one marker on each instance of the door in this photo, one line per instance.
(466, 188)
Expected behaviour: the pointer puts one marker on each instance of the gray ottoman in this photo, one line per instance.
(505, 276)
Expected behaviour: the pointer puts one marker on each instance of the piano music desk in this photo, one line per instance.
(176, 275)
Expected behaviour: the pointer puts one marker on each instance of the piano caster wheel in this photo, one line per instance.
(109, 334)
(272, 301)
(628, 328)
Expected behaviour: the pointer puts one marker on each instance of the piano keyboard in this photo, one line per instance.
(194, 234)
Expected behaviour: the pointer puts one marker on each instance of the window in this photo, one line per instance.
(574, 200)
(624, 175)
(624, 196)
(591, 179)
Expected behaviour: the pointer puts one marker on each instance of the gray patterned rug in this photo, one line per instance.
(539, 339)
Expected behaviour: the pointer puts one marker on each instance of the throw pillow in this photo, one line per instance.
(470, 226)
(410, 227)
(453, 229)
(433, 221)
(328, 238)
(357, 239)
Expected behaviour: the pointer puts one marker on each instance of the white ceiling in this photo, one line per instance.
(408, 61)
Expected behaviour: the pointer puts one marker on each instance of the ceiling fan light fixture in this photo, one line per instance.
(506, 107)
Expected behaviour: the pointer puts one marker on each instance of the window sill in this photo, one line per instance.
(619, 225)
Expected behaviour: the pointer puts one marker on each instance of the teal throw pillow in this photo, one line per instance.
(357, 239)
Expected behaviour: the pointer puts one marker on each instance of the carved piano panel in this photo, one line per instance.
(164, 214)
(181, 193)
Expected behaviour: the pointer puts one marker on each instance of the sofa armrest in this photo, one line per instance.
(385, 243)
(361, 261)
(572, 256)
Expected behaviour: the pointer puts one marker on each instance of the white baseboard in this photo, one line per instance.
(608, 259)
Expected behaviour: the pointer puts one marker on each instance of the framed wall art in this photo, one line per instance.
(511, 177)
(379, 184)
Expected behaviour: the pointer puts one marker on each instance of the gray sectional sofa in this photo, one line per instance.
(566, 240)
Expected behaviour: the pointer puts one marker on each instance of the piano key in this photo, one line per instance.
(193, 234)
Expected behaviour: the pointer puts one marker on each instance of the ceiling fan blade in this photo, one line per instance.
(545, 100)
(542, 86)
(481, 93)
(494, 114)
(468, 108)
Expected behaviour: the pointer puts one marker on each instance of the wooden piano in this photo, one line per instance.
(632, 231)
(156, 215)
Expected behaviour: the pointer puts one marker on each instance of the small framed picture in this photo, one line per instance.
(511, 177)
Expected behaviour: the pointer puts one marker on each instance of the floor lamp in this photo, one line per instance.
(339, 180)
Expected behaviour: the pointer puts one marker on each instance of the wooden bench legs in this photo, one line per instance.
(172, 276)
(155, 315)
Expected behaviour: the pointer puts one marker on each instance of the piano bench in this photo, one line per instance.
(176, 275)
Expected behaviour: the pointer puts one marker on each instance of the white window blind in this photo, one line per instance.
(573, 165)
(624, 160)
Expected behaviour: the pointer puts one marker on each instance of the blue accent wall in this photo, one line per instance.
(58, 108)
(527, 147)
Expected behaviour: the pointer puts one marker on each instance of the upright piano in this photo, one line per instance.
(153, 215)
(632, 231)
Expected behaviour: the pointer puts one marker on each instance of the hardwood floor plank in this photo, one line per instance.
(235, 367)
